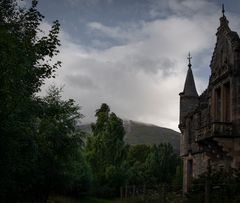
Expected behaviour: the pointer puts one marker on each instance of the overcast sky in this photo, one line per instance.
(132, 54)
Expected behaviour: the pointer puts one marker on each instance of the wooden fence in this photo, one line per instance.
(132, 191)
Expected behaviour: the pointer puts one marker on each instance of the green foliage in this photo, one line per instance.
(25, 63)
(26, 58)
(151, 165)
(136, 159)
(59, 143)
(52, 160)
(106, 152)
(40, 148)
(115, 164)
(138, 153)
(160, 164)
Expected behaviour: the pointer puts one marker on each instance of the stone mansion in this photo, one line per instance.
(210, 122)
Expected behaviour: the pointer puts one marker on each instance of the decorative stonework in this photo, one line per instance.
(210, 123)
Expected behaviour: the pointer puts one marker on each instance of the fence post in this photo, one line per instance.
(207, 191)
(121, 192)
(126, 191)
(134, 190)
(164, 194)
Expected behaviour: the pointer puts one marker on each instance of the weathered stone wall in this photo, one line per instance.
(187, 105)
(210, 124)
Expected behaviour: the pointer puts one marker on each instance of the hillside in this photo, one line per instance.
(142, 133)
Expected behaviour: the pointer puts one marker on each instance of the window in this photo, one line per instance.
(218, 110)
(190, 171)
(190, 130)
(227, 105)
(190, 167)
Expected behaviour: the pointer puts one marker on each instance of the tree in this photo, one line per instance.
(161, 164)
(62, 166)
(26, 60)
(152, 165)
(136, 158)
(106, 151)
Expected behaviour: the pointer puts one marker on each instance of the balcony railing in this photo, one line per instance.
(215, 129)
(222, 129)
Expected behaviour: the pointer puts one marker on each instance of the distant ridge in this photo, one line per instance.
(143, 133)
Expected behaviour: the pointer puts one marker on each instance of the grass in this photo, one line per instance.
(61, 199)
(150, 199)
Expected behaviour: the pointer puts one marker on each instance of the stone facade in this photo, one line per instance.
(210, 123)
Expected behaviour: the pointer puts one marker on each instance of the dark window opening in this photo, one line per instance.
(227, 105)
(190, 131)
(218, 110)
(190, 171)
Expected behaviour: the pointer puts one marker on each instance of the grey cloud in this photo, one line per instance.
(153, 65)
(80, 81)
(164, 8)
(140, 79)
(87, 2)
(123, 33)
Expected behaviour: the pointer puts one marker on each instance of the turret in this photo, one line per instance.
(189, 99)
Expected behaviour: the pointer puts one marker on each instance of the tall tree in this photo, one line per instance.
(26, 60)
(106, 150)
(61, 165)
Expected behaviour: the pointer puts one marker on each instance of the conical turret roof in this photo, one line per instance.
(189, 87)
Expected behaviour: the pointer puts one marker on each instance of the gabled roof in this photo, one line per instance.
(231, 36)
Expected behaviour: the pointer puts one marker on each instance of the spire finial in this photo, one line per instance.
(223, 10)
(189, 60)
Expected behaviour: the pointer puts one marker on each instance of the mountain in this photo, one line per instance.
(142, 133)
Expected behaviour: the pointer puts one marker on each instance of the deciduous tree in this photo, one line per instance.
(106, 151)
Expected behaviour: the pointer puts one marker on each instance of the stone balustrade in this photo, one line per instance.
(215, 129)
